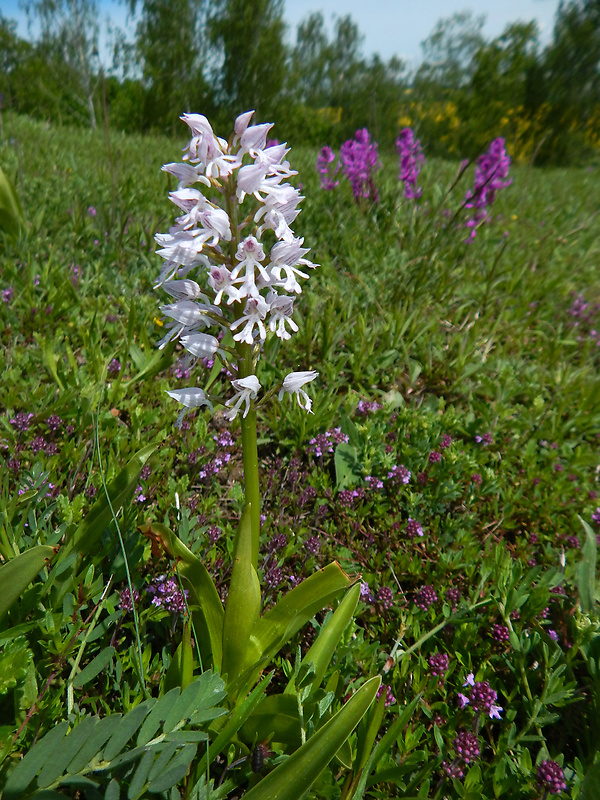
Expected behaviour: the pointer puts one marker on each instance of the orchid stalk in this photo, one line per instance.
(234, 237)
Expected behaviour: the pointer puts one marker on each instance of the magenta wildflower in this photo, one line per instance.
(125, 599)
(359, 161)
(491, 175)
(7, 294)
(326, 169)
(411, 159)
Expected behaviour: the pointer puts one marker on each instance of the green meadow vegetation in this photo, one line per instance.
(451, 468)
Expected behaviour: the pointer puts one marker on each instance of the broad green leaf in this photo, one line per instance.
(321, 652)
(202, 591)
(347, 469)
(243, 604)
(181, 668)
(20, 779)
(590, 789)
(127, 726)
(586, 570)
(156, 717)
(17, 574)
(94, 668)
(11, 213)
(140, 776)
(204, 693)
(14, 664)
(293, 777)
(101, 733)
(68, 750)
(276, 719)
(386, 742)
(296, 608)
(173, 772)
(234, 722)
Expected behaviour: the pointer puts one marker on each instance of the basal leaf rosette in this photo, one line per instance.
(232, 264)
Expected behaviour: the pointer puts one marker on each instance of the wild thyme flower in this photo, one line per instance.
(411, 159)
(234, 235)
(22, 421)
(438, 664)
(550, 776)
(425, 597)
(466, 746)
(385, 596)
(166, 594)
(125, 599)
(413, 528)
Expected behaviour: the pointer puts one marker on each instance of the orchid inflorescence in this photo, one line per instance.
(246, 258)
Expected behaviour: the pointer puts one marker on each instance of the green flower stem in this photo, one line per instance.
(250, 454)
(251, 487)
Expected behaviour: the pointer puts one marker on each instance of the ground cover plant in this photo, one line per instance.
(450, 467)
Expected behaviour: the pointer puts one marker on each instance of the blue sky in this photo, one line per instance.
(390, 27)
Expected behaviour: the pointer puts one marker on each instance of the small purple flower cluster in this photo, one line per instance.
(385, 596)
(435, 457)
(365, 593)
(596, 516)
(551, 777)
(114, 367)
(491, 173)
(360, 160)
(500, 633)
(373, 483)
(325, 442)
(326, 169)
(453, 597)
(425, 597)
(399, 474)
(438, 664)
(466, 746)
(346, 497)
(22, 421)
(389, 695)
(411, 159)
(482, 697)
(365, 407)
(445, 442)
(484, 438)
(125, 598)
(453, 770)
(166, 594)
(7, 294)
(413, 528)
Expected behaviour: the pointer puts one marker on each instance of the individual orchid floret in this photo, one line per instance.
(200, 345)
(247, 389)
(281, 310)
(221, 282)
(250, 253)
(293, 383)
(191, 397)
(254, 313)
